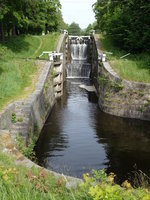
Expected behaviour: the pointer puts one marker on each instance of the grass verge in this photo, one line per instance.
(133, 67)
(20, 183)
(18, 67)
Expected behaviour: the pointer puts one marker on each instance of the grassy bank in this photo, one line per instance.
(132, 67)
(18, 66)
(20, 183)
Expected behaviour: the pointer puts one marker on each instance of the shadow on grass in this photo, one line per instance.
(143, 65)
(16, 44)
(1, 70)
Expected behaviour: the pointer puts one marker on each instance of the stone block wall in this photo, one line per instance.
(6, 115)
(27, 118)
(31, 114)
(120, 97)
(93, 55)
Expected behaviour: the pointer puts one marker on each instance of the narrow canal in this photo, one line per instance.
(78, 137)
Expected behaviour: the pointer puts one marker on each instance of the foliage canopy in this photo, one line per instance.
(74, 29)
(29, 16)
(125, 22)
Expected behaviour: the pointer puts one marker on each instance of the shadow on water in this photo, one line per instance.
(126, 143)
(78, 137)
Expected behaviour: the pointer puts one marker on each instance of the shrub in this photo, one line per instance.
(102, 187)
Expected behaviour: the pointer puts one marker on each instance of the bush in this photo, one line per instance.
(102, 187)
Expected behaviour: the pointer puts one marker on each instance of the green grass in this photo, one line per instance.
(20, 183)
(48, 43)
(132, 67)
(18, 65)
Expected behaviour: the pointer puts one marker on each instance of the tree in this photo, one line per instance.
(61, 24)
(29, 16)
(3, 11)
(74, 29)
(125, 22)
(90, 27)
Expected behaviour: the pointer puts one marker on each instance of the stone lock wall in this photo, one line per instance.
(121, 97)
(31, 114)
(6, 115)
(93, 55)
(27, 118)
(117, 96)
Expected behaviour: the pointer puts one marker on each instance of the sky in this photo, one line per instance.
(79, 11)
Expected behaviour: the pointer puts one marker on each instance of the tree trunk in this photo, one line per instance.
(13, 31)
(1, 32)
(8, 32)
(46, 28)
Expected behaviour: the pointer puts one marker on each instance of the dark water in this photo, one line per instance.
(78, 137)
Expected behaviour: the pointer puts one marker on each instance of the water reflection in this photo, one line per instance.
(127, 144)
(78, 137)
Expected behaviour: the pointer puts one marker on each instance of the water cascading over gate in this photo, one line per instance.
(79, 66)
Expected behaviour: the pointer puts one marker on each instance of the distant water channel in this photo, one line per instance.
(78, 137)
